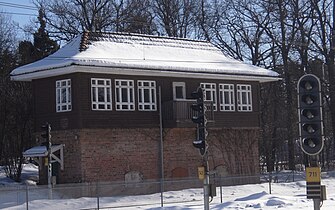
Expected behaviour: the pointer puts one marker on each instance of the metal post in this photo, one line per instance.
(316, 203)
(161, 144)
(49, 173)
(98, 196)
(270, 180)
(315, 162)
(221, 189)
(206, 183)
(27, 198)
(49, 162)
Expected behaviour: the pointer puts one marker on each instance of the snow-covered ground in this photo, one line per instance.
(288, 196)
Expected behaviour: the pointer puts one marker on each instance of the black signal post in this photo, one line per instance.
(200, 142)
(311, 134)
(310, 114)
(46, 134)
(200, 119)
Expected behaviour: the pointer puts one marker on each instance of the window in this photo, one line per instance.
(63, 95)
(244, 98)
(227, 99)
(146, 95)
(179, 91)
(124, 93)
(101, 94)
(210, 93)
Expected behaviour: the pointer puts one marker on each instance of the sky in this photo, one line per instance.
(20, 11)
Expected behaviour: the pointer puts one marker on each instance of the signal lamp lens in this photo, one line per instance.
(308, 86)
(308, 100)
(310, 142)
(309, 114)
(309, 128)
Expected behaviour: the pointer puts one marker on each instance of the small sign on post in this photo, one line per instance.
(201, 172)
(313, 182)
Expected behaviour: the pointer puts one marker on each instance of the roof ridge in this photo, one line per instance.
(145, 36)
(144, 39)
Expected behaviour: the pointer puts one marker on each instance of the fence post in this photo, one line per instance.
(270, 180)
(221, 189)
(27, 198)
(293, 174)
(97, 193)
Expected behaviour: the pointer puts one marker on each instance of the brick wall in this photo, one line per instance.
(109, 154)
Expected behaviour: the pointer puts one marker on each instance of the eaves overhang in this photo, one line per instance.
(138, 71)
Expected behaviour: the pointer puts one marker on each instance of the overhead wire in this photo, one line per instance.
(17, 13)
(17, 6)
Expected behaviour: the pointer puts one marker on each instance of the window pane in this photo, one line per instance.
(101, 82)
(124, 94)
(101, 94)
(63, 95)
(179, 92)
(146, 95)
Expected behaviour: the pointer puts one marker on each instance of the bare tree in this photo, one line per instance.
(7, 34)
(177, 17)
(137, 17)
(67, 18)
(324, 41)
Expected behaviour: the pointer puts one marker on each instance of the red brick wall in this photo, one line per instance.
(108, 154)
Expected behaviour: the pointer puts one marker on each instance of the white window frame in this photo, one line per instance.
(129, 104)
(244, 98)
(63, 91)
(183, 86)
(106, 87)
(150, 87)
(210, 93)
(227, 94)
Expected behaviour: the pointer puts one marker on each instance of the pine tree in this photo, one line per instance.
(44, 46)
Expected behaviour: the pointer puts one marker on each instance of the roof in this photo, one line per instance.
(135, 54)
(41, 151)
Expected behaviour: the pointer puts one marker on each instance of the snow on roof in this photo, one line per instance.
(140, 54)
(38, 151)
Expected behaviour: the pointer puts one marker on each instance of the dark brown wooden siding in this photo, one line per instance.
(82, 115)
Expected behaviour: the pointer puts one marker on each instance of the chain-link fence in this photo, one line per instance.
(116, 195)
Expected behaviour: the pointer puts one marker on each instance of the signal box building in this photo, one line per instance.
(119, 108)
